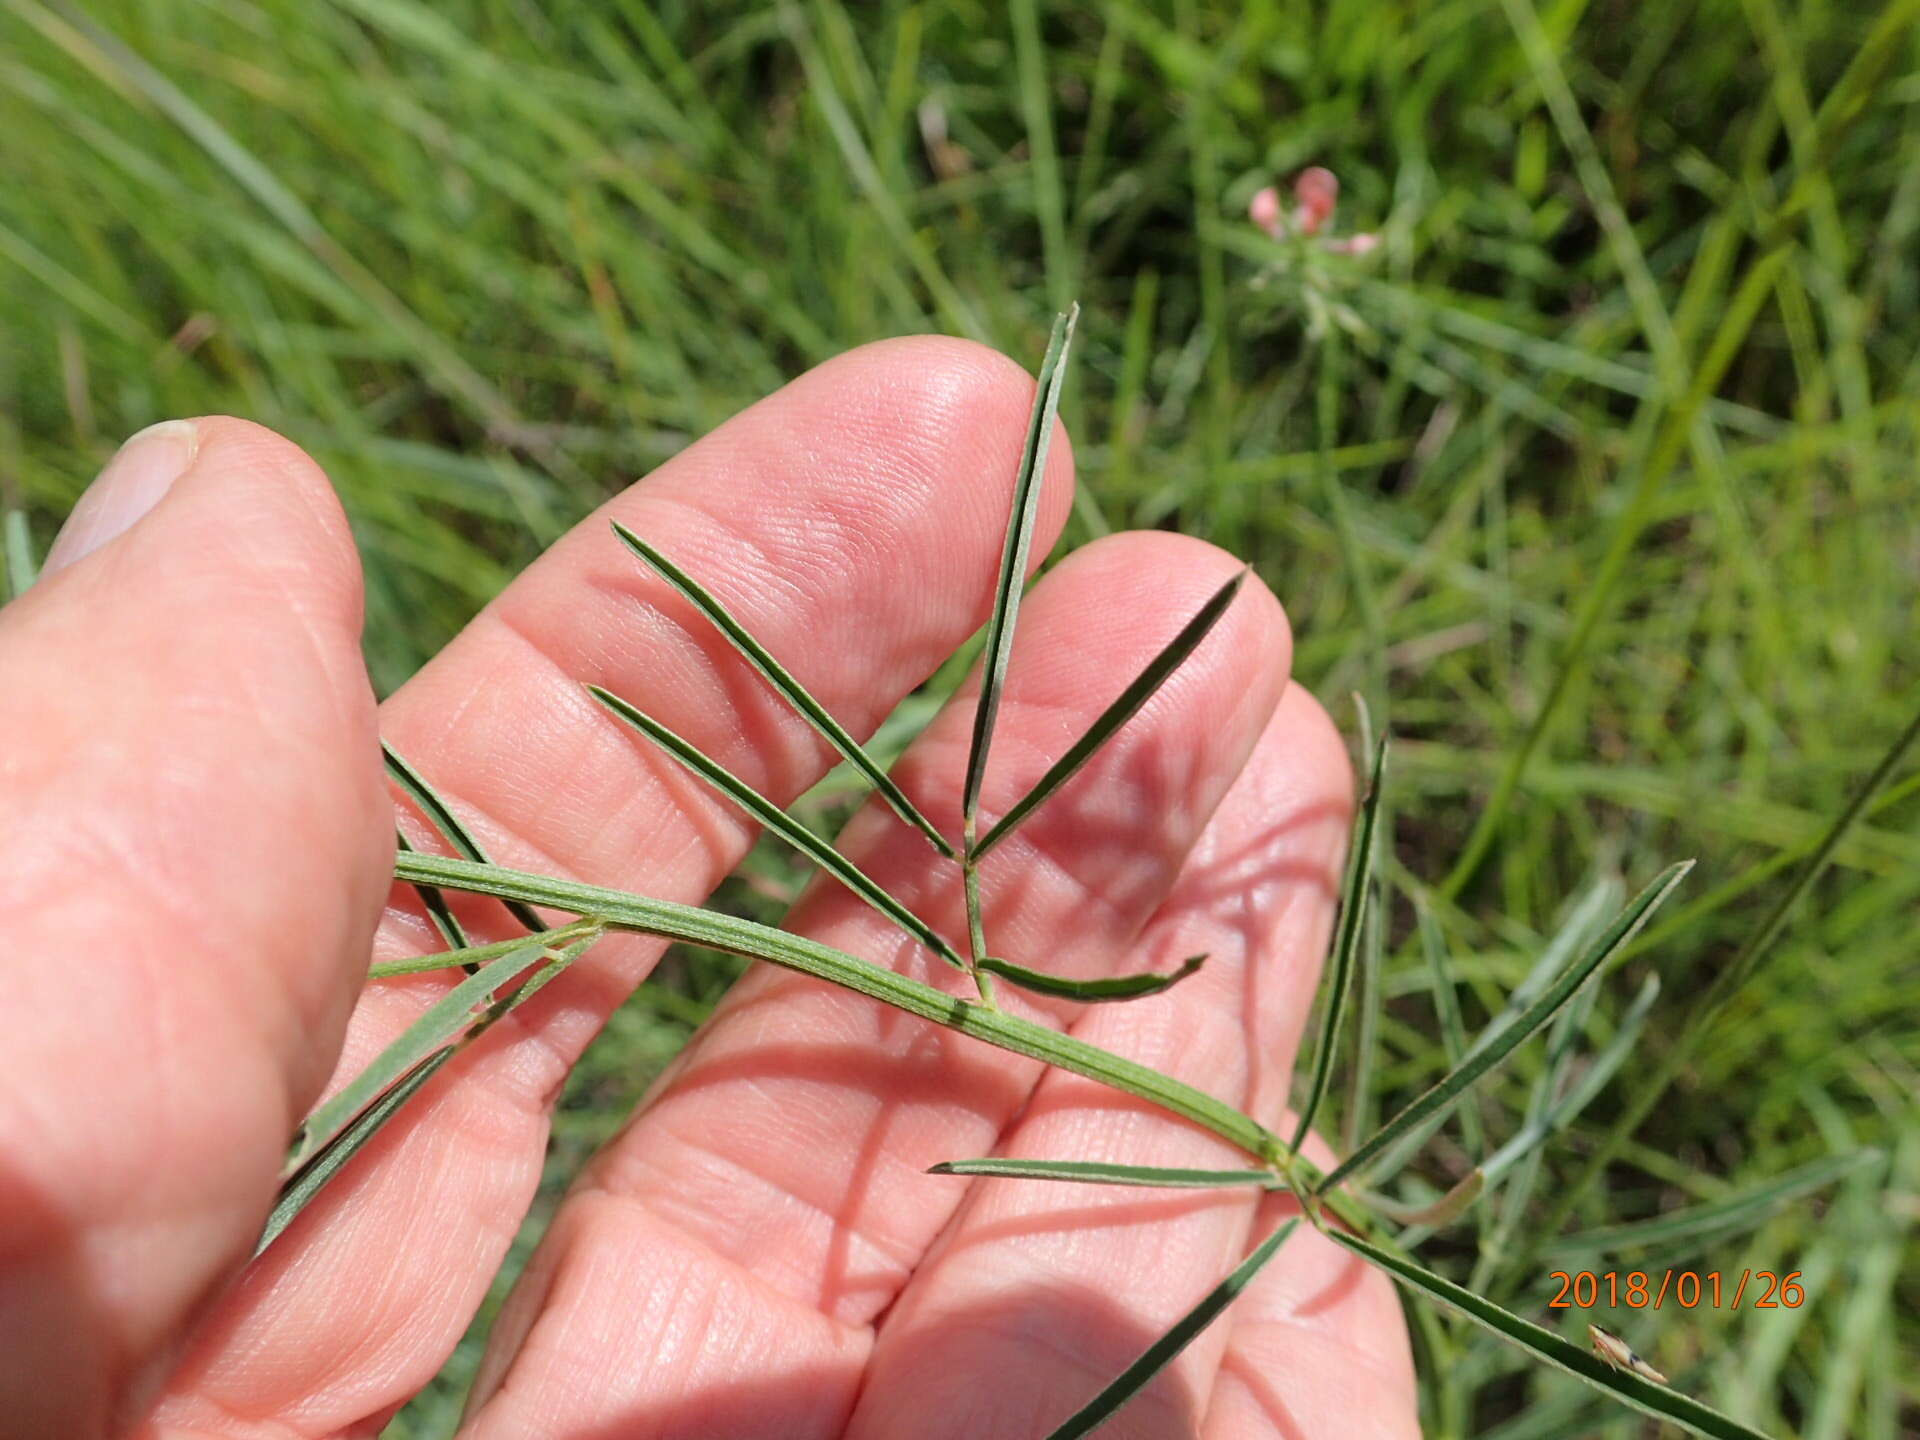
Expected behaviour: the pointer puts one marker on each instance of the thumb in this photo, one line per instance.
(195, 850)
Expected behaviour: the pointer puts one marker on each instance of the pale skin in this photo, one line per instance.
(194, 867)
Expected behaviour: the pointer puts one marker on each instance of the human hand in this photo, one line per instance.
(198, 844)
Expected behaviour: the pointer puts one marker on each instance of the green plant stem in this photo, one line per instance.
(620, 910)
(976, 925)
(472, 956)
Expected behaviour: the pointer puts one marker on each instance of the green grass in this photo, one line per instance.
(489, 261)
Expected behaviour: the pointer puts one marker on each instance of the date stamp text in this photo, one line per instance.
(1688, 1289)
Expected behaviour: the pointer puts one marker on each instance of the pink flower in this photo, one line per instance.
(1317, 190)
(1264, 211)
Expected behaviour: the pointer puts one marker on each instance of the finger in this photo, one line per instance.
(185, 711)
(1316, 1348)
(774, 1183)
(1053, 1289)
(853, 521)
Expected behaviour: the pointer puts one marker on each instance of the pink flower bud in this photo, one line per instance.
(1264, 211)
(1317, 190)
(1361, 244)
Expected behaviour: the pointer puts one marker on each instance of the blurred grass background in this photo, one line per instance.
(1598, 475)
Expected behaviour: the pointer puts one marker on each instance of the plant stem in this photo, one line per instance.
(621, 910)
(471, 956)
(976, 927)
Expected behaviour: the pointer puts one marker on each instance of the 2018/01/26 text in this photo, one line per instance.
(1634, 1289)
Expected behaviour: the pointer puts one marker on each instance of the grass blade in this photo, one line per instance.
(1747, 960)
(1555, 1105)
(1625, 1386)
(1737, 970)
(780, 823)
(448, 1017)
(448, 824)
(447, 369)
(1563, 1110)
(1092, 992)
(21, 571)
(1123, 709)
(1699, 1223)
(1486, 1057)
(1585, 919)
(1446, 1003)
(1358, 1114)
(795, 694)
(1096, 1172)
(1352, 908)
(1157, 1356)
(1013, 562)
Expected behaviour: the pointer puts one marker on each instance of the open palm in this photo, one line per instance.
(198, 844)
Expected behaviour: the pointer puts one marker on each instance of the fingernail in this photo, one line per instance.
(140, 473)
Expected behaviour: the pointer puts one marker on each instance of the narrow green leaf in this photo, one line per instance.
(1092, 992)
(448, 824)
(1625, 1386)
(1359, 1114)
(1457, 1080)
(795, 694)
(1585, 919)
(438, 911)
(1123, 709)
(1013, 562)
(1522, 1153)
(1095, 1172)
(780, 823)
(1446, 1002)
(1157, 1356)
(449, 1016)
(1563, 1110)
(318, 1173)
(1740, 969)
(299, 1192)
(21, 571)
(1698, 1223)
(1554, 1105)
(1353, 905)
